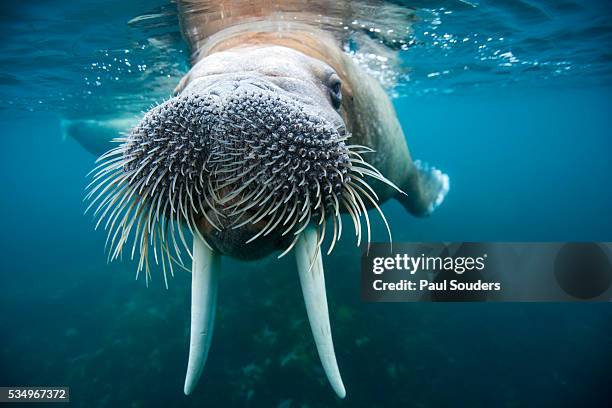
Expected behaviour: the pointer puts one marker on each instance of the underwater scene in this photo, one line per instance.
(509, 98)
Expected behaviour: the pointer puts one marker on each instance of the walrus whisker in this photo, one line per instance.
(195, 231)
(321, 216)
(103, 158)
(382, 215)
(172, 189)
(119, 209)
(128, 222)
(108, 206)
(334, 239)
(365, 184)
(175, 245)
(144, 263)
(182, 237)
(318, 196)
(289, 248)
(116, 249)
(124, 197)
(266, 211)
(321, 233)
(350, 196)
(237, 209)
(103, 168)
(306, 203)
(211, 205)
(163, 263)
(116, 179)
(293, 223)
(138, 235)
(358, 147)
(279, 219)
(365, 211)
(151, 224)
(189, 192)
(172, 230)
(304, 215)
(263, 230)
(373, 172)
(306, 219)
(181, 205)
(252, 196)
(278, 204)
(114, 185)
(356, 222)
(234, 193)
(159, 259)
(377, 176)
(264, 200)
(167, 250)
(293, 208)
(139, 169)
(142, 231)
(339, 226)
(147, 179)
(205, 214)
(290, 195)
(158, 206)
(260, 213)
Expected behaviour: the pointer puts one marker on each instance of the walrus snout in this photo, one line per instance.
(247, 167)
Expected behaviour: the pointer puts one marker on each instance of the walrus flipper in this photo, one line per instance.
(425, 190)
(97, 135)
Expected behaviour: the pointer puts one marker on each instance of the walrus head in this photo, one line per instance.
(251, 156)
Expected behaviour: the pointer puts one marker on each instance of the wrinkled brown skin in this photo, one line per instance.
(366, 111)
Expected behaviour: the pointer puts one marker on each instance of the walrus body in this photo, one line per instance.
(272, 134)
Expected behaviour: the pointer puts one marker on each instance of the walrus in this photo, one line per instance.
(271, 136)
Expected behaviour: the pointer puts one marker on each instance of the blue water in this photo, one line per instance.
(527, 146)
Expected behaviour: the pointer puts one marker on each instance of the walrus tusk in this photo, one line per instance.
(310, 269)
(204, 282)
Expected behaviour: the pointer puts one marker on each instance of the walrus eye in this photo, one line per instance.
(335, 92)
